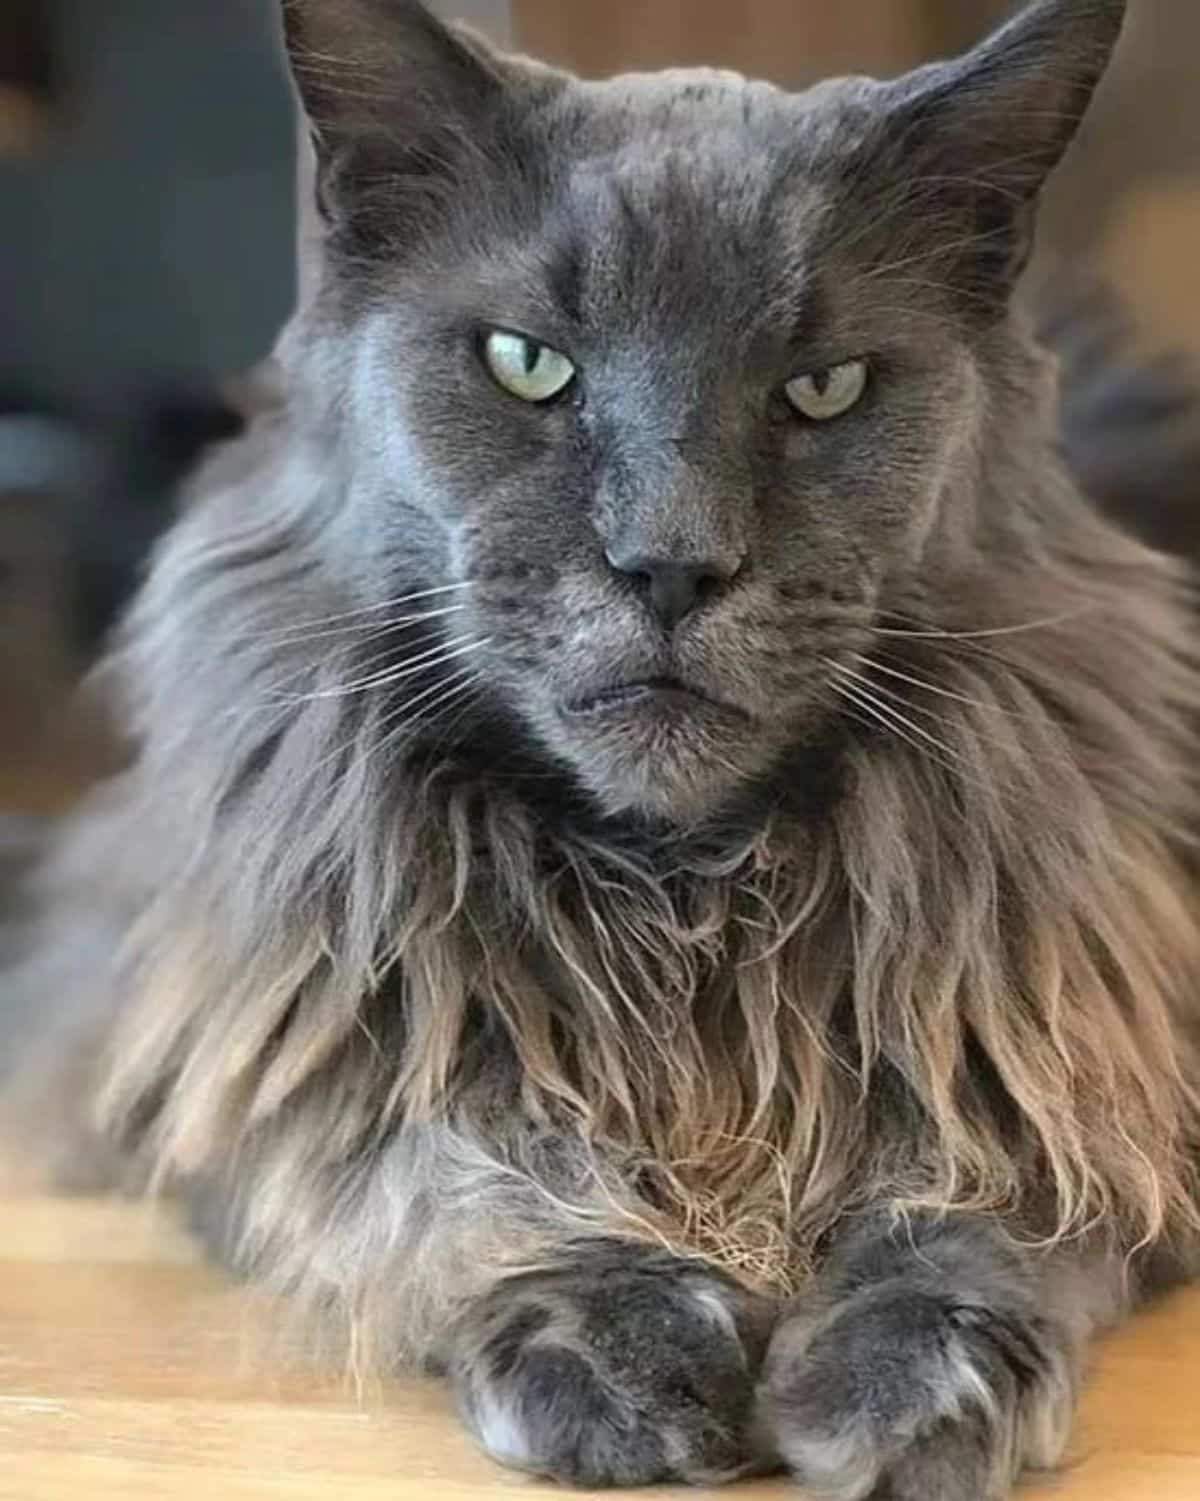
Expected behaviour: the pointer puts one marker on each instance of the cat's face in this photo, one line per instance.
(678, 376)
(689, 289)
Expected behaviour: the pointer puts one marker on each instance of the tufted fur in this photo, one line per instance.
(419, 980)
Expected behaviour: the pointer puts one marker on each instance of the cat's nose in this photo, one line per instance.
(673, 589)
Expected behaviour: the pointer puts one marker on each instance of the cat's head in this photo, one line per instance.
(685, 379)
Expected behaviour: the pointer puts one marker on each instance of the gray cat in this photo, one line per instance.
(658, 876)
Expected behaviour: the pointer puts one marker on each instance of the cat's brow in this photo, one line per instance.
(802, 308)
(566, 277)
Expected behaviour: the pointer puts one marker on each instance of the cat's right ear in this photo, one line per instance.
(402, 109)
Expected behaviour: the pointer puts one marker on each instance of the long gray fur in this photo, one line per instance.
(800, 1081)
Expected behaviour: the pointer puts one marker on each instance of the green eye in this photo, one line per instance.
(527, 369)
(826, 394)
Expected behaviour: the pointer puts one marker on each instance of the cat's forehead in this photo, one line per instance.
(682, 101)
(691, 184)
(713, 107)
(686, 144)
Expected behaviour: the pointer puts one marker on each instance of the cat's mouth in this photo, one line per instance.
(662, 694)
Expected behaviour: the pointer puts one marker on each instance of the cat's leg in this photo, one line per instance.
(934, 1360)
(619, 1364)
(575, 1350)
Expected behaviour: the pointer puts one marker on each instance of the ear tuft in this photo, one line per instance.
(398, 105)
(985, 131)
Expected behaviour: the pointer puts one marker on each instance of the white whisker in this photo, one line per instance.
(936, 689)
(913, 734)
(387, 604)
(436, 656)
(869, 699)
(455, 688)
(1005, 630)
(436, 698)
(374, 631)
(390, 717)
(872, 714)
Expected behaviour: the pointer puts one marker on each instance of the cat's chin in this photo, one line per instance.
(671, 761)
(658, 799)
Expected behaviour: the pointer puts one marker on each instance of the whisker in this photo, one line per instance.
(399, 623)
(436, 656)
(401, 719)
(1039, 726)
(868, 697)
(456, 691)
(448, 731)
(375, 633)
(387, 604)
(934, 688)
(1004, 630)
(869, 715)
(390, 717)
(905, 729)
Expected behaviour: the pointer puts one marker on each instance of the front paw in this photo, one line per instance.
(624, 1367)
(900, 1392)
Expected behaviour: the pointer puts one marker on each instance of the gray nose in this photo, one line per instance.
(673, 589)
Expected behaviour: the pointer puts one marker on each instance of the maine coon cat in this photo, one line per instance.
(658, 877)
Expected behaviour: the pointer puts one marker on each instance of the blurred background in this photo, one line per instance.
(148, 214)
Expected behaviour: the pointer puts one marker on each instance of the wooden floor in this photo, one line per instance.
(131, 1371)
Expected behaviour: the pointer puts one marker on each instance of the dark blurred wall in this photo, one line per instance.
(149, 236)
(146, 256)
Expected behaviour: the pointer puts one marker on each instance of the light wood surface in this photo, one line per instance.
(130, 1371)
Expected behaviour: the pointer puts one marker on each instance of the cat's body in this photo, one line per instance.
(677, 911)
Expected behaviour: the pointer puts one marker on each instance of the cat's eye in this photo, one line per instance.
(532, 371)
(823, 395)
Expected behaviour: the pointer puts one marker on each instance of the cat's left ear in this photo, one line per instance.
(984, 132)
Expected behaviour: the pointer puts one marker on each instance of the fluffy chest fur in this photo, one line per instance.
(985, 948)
(650, 749)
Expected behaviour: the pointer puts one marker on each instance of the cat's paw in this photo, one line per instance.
(902, 1392)
(623, 1367)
